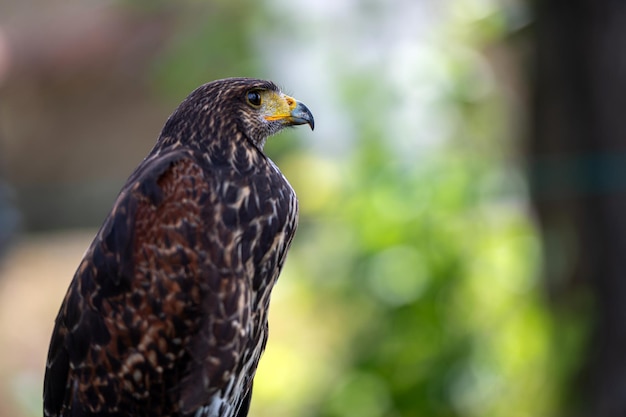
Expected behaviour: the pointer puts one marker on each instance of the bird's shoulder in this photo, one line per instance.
(168, 258)
(130, 295)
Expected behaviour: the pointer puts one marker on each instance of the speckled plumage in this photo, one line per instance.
(167, 312)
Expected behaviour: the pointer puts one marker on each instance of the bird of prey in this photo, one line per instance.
(167, 312)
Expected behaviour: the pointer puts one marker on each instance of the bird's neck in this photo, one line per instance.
(235, 152)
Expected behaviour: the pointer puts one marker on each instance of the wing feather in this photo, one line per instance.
(160, 300)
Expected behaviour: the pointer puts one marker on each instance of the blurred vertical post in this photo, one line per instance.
(577, 170)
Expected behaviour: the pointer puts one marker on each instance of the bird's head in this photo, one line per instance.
(233, 107)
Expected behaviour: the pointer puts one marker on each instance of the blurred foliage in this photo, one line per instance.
(437, 292)
(429, 263)
(211, 41)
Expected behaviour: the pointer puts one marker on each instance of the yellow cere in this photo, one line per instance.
(277, 106)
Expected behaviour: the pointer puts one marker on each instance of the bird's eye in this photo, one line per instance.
(254, 98)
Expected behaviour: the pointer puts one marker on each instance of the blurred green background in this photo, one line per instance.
(413, 287)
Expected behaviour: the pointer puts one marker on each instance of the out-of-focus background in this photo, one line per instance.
(462, 233)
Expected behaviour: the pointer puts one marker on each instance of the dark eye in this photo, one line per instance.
(254, 98)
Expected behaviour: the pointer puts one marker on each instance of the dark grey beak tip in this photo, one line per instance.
(302, 115)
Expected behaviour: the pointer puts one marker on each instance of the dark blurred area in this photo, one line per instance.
(9, 217)
(577, 173)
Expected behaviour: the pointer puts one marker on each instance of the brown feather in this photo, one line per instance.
(167, 312)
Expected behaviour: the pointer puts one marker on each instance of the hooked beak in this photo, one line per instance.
(301, 115)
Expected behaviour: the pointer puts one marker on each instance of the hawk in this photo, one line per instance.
(167, 312)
